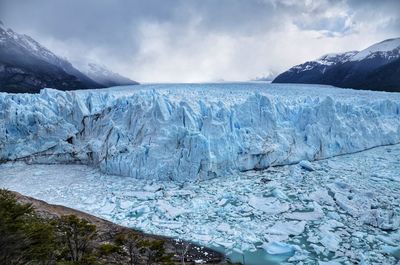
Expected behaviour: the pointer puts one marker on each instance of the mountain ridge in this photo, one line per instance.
(374, 68)
(26, 67)
(102, 75)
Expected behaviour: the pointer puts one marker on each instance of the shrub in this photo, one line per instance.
(107, 249)
(76, 236)
(25, 238)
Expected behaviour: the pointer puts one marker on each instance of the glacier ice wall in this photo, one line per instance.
(152, 134)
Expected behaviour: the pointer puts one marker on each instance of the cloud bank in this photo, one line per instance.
(197, 41)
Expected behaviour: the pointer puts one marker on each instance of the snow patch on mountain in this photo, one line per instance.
(322, 63)
(101, 74)
(183, 132)
(375, 68)
(333, 58)
(36, 49)
(389, 49)
(27, 66)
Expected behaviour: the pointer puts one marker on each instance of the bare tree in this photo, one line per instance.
(154, 251)
(76, 235)
(132, 244)
(181, 249)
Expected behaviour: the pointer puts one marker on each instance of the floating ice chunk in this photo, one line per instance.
(169, 210)
(276, 238)
(279, 248)
(334, 215)
(89, 200)
(126, 204)
(152, 188)
(331, 262)
(107, 208)
(224, 227)
(287, 228)
(206, 239)
(226, 244)
(223, 202)
(316, 214)
(318, 249)
(142, 195)
(386, 240)
(279, 194)
(331, 224)
(140, 210)
(299, 255)
(322, 196)
(306, 165)
(330, 240)
(394, 251)
(268, 205)
(168, 225)
(179, 193)
(385, 219)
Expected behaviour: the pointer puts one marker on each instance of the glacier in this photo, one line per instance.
(194, 131)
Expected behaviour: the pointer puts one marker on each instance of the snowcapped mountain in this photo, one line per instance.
(27, 66)
(388, 49)
(376, 68)
(102, 75)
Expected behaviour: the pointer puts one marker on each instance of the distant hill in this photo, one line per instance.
(375, 68)
(26, 67)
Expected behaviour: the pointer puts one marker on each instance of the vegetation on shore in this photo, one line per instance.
(31, 238)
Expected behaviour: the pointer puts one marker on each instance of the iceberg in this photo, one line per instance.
(278, 248)
(194, 132)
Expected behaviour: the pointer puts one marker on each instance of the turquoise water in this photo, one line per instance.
(260, 256)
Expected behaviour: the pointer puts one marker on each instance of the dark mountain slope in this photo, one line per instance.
(26, 67)
(375, 68)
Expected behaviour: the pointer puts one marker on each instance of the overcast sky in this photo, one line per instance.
(201, 40)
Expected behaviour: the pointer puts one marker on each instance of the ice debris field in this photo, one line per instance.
(218, 164)
(344, 209)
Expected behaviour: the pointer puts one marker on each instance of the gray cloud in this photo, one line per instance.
(201, 40)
